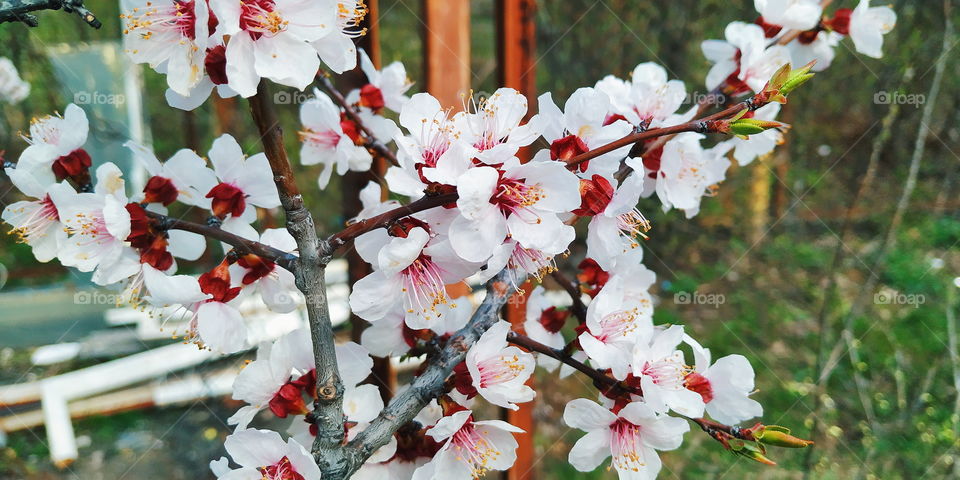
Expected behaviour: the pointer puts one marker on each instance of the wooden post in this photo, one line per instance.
(447, 49)
(383, 375)
(517, 47)
(516, 53)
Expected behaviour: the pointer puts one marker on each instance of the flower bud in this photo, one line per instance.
(751, 451)
(779, 437)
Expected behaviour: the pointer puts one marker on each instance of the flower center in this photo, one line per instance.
(259, 18)
(282, 470)
(474, 450)
(633, 224)
(499, 369)
(668, 372)
(533, 262)
(324, 140)
(513, 195)
(35, 225)
(619, 324)
(178, 17)
(350, 15)
(625, 446)
(423, 287)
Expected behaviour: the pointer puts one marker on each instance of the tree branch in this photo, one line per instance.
(372, 142)
(19, 10)
(604, 382)
(385, 219)
(328, 407)
(429, 384)
(578, 308)
(284, 259)
(706, 124)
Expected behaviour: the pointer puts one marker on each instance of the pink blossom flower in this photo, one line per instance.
(263, 454)
(521, 202)
(324, 141)
(500, 372)
(171, 36)
(725, 385)
(471, 449)
(631, 436)
(662, 371)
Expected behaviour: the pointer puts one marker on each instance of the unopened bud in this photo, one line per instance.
(742, 127)
(752, 451)
(797, 77)
(779, 437)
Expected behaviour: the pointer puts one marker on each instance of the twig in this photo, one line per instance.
(19, 11)
(578, 308)
(600, 379)
(603, 381)
(706, 124)
(327, 413)
(385, 219)
(371, 140)
(284, 259)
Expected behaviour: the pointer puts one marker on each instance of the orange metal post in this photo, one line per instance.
(516, 54)
(447, 49)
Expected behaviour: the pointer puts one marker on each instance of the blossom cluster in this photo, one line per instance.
(517, 182)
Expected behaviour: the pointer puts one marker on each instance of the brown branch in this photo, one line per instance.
(371, 140)
(578, 308)
(286, 260)
(599, 378)
(385, 219)
(706, 124)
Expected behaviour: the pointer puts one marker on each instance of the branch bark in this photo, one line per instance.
(284, 259)
(429, 384)
(385, 219)
(328, 407)
(19, 10)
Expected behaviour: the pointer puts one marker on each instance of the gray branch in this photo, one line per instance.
(429, 385)
(19, 10)
(328, 408)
